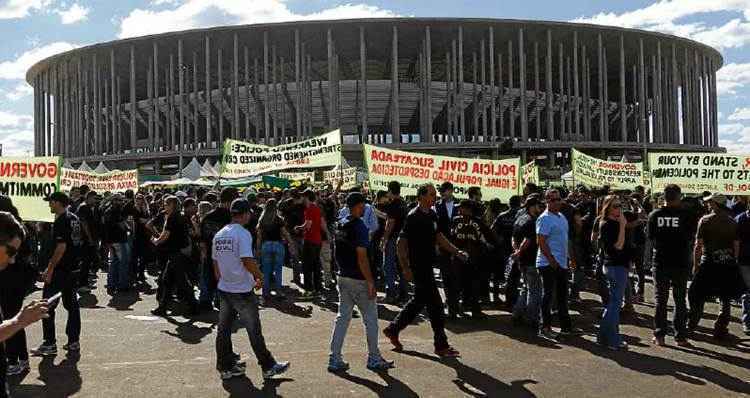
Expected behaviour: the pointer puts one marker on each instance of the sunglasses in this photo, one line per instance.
(11, 251)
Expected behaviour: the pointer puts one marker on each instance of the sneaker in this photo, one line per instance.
(72, 347)
(448, 352)
(393, 337)
(379, 364)
(277, 369)
(659, 341)
(571, 332)
(18, 368)
(159, 311)
(45, 350)
(338, 366)
(234, 372)
(548, 334)
(620, 347)
(683, 343)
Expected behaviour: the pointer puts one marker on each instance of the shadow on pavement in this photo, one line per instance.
(243, 387)
(474, 382)
(187, 332)
(61, 380)
(124, 300)
(393, 388)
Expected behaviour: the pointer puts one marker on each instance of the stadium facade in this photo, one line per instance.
(468, 87)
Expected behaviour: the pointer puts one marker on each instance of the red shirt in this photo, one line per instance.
(312, 214)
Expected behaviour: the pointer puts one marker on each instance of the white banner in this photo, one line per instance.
(114, 181)
(243, 159)
(347, 177)
(304, 176)
(27, 181)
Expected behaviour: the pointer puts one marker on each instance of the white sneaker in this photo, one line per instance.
(18, 368)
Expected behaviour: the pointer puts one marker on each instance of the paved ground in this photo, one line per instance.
(128, 353)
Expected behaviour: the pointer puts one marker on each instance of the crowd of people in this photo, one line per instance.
(213, 249)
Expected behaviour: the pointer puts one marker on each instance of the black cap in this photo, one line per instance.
(58, 197)
(354, 199)
(240, 206)
(445, 186)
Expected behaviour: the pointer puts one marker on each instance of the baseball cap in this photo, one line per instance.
(181, 194)
(58, 197)
(240, 206)
(354, 199)
(718, 198)
(532, 200)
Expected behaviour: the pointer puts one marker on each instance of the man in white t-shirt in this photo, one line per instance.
(238, 275)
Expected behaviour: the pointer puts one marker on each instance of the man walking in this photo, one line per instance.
(312, 228)
(60, 276)
(743, 260)
(668, 232)
(356, 285)
(238, 275)
(416, 251)
(552, 263)
(526, 307)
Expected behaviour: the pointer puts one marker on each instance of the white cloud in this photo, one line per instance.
(732, 77)
(76, 13)
(665, 16)
(21, 90)
(16, 69)
(735, 137)
(191, 14)
(740, 114)
(16, 133)
(13, 9)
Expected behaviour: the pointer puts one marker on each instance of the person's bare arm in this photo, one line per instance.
(29, 314)
(217, 273)
(364, 267)
(402, 251)
(445, 244)
(541, 241)
(57, 255)
(697, 254)
(162, 238)
(252, 267)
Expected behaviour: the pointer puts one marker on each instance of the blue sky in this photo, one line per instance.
(35, 29)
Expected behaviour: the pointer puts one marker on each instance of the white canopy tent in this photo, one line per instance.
(191, 172)
(207, 170)
(101, 168)
(85, 167)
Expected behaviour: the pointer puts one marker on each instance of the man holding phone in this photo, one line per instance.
(238, 275)
(60, 276)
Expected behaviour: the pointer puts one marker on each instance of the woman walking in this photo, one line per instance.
(270, 245)
(615, 262)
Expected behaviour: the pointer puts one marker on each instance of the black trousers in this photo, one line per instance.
(555, 280)
(11, 301)
(471, 282)
(311, 267)
(425, 295)
(174, 278)
(512, 283)
(89, 261)
(665, 278)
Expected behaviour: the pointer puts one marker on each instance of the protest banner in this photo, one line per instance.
(302, 176)
(697, 172)
(27, 181)
(114, 181)
(530, 173)
(347, 177)
(243, 159)
(593, 172)
(496, 178)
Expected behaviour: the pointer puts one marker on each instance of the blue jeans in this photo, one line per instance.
(272, 255)
(207, 282)
(246, 306)
(745, 270)
(609, 328)
(354, 292)
(118, 274)
(528, 304)
(391, 271)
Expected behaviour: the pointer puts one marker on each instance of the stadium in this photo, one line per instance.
(459, 87)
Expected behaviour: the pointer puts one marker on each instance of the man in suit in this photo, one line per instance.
(446, 210)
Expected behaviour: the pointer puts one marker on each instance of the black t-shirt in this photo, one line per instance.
(420, 229)
(272, 231)
(609, 231)
(67, 229)
(743, 235)
(214, 221)
(86, 216)
(525, 228)
(670, 234)
(467, 234)
(4, 392)
(503, 227)
(351, 233)
(114, 225)
(397, 211)
(178, 233)
(293, 213)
